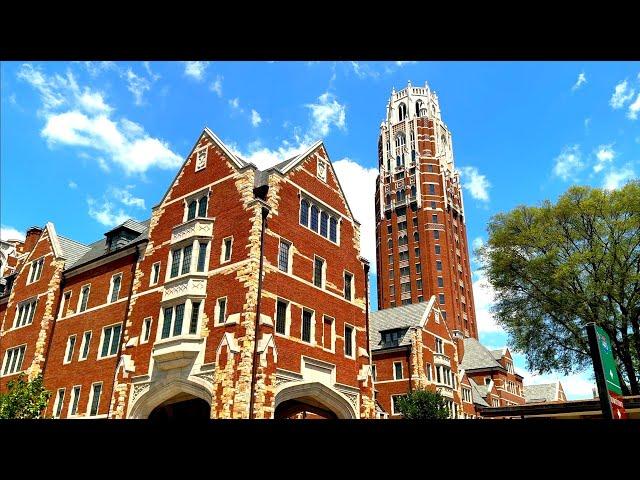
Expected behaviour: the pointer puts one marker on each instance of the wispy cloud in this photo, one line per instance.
(256, 119)
(80, 117)
(604, 155)
(196, 70)
(616, 178)
(124, 196)
(326, 113)
(568, 163)
(72, 184)
(96, 68)
(477, 184)
(235, 104)
(634, 108)
(621, 95)
(137, 85)
(363, 70)
(216, 86)
(10, 233)
(154, 76)
(582, 79)
(106, 213)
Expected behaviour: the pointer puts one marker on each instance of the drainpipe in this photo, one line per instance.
(124, 324)
(254, 365)
(409, 364)
(365, 264)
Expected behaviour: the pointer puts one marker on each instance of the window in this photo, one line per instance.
(394, 404)
(404, 271)
(73, 403)
(405, 287)
(175, 262)
(186, 259)
(36, 270)
(429, 168)
(227, 244)
(402, 226)
(441, 298)
(348, 341)
(221, 311)
(333, 230)
(397, 370)
(406, 301)
(348, 285)
(437, 249)
(416, 237)
(466, 394)
(13, 360)
(509, 367)
(389, 229)
(94, 399)
(434, 218)
(432, 189)
(402, 256)
(391, 337)
(440, 282)
(418, 269)
(439, 265)
(390, 274)
(419, 284)
(84, 298)
(155, 273)
(57, 406)
(328, 333)
(314, 218)
(374, 372)
(181, 261)
(439, 345)
(428, 371)
(402, 114)
(283, 256)
(390, 260)
(71, 344)
(318, 272)
(114, 292)
(487, 380)
(324, 224)
(420, 298)
(390, 244)
(64, 304)
(304, 213)
(202, 206)
(438, 374)
(417, 251)
(24, 313)
(146, 330)
(496, 402)
(433, 205)
(195, 312)
(307, 316)
(282, 308)
(84, 347)
(110, 340)
(202, 256)
(436, 234)
(173, 318)
(191, 210)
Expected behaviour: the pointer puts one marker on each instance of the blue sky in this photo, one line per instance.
(100, 142)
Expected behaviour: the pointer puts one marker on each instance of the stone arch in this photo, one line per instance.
(160, 392)
(316, 394)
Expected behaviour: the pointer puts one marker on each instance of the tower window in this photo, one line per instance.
(402, 112)
(432, 189)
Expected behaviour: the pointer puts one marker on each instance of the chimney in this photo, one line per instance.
(33, 234)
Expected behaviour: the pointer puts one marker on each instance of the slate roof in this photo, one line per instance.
(401, 317)
(477, 356)
(497, 354)
(97, 249)
(545, 392)
(477, 395)
(72, 250)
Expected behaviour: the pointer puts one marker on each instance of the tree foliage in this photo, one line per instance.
(423, 405)
(24, 399)
(559, 266)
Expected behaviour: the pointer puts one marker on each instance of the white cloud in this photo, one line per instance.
(217, 85)
(195, 70)
(263, 157)
(484, 297)
(94, 102)
(477, 243)
(568, 163)
(616, 178)
(137, 85)
(404, 63)
(604, 154)
(72, 184)
(235, 104)
(123, 195)
(362, 70)
(95, 68)
(154, 76)
(10, 233)
(104, 166)
(327, 112)
(50, 88)
(634, 108)
(582, 79)
(106, 213)
(620, 95)
(256, 119)
(359, 186)
(12, 99)
(475, 183)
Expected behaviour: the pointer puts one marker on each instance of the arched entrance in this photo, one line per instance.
(311, 400)
(181, 407)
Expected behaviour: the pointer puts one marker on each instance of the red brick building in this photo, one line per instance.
(425, 333)
(243, 296)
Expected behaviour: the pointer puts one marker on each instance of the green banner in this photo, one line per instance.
(608, 362)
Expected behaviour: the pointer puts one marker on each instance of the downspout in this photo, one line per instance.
(409, 350)
(124, 324)
(254, 365)
(366, 306)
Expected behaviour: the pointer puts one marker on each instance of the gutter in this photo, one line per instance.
(254, 365)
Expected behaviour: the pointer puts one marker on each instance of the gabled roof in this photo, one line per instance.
(402, 317)
(72, 251)
(132, 225)
(477, 356)
(498, 354)
(477, 395)
(545, 392)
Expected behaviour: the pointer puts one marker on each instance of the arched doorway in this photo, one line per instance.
(181, 407)
(311, 400)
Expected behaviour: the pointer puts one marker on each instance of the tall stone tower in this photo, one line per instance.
(421, 238)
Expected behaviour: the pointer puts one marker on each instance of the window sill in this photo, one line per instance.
(107, 357)
(21, 326)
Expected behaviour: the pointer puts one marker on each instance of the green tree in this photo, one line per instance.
(423, 405)
(24, 399)
(558, 266)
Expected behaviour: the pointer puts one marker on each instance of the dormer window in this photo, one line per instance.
(201, 159)
(391, 337)
(322, 170)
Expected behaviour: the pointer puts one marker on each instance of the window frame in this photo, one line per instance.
(223, 251)
(395, 371)
(111, 284)
(74, 401)
(216, 311)
(289, 245)
(351, 285)
(157, 274)
(323, 279)
(393, 405)
(63, 303)
(27, 316)
(81, 298)
(287, 317)
(83, 344)
(91, 398)
(102, 338)
(353, 340)
(6, 368)
(69, 349)
(312, 326)
(56, 410)
(35, 270)
(322, 209)
(146, 331)
(333, 333)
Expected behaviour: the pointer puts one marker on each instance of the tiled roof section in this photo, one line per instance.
(401, 317)
(545, 392)
(477, 394)
(72, 250)
(262, 176)
(477, 356)
(99, 248)
(497, 354)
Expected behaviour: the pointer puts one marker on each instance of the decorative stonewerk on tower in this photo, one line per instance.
(421, 238)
